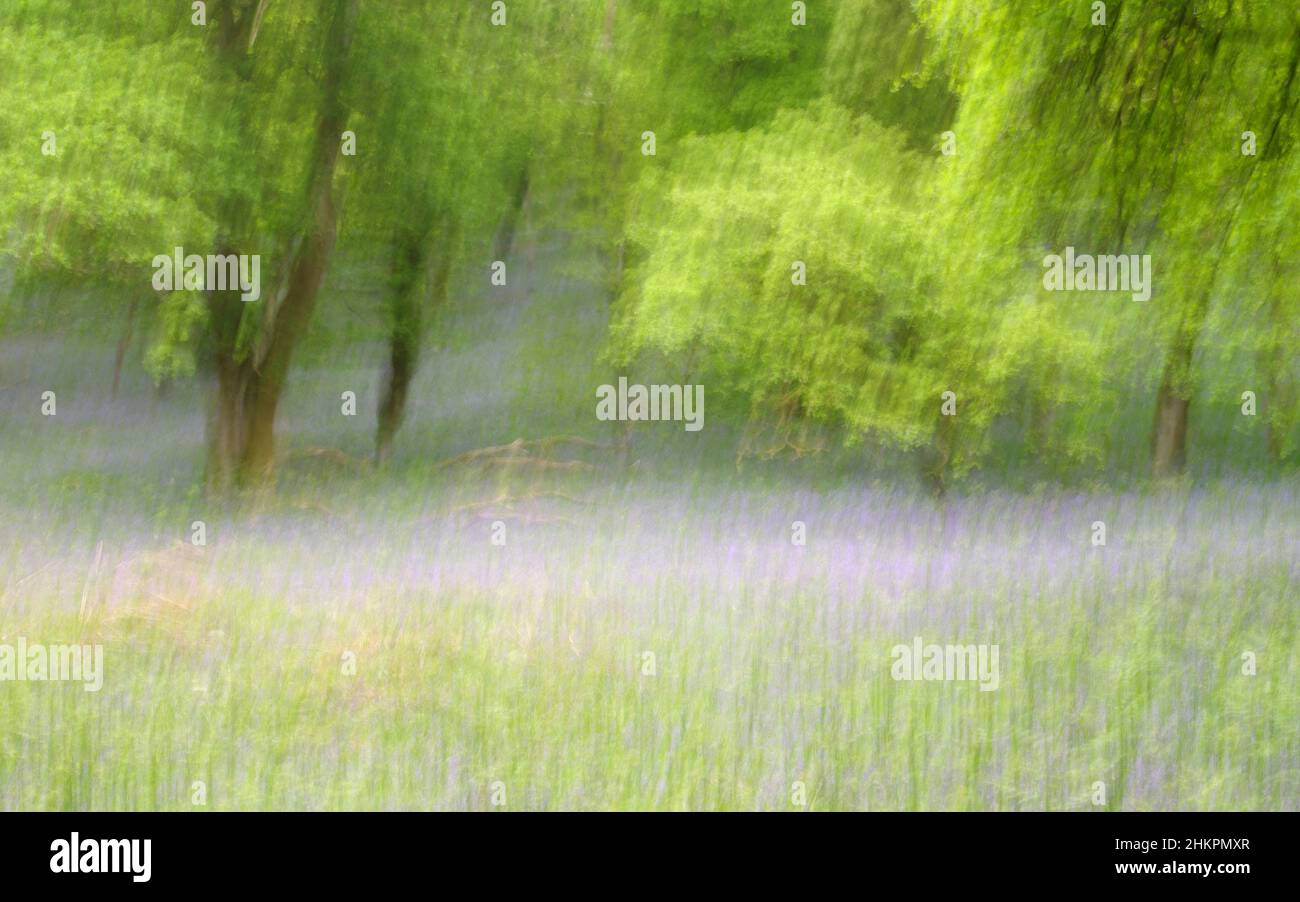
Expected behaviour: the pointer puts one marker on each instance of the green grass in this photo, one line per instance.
(760, 682)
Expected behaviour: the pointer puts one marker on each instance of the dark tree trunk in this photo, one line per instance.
(1169, 448)
(226, 427)
(249, 383)
(420, 278)
(266, 383)
(226, 430)
(1174, 399)
(405, 326)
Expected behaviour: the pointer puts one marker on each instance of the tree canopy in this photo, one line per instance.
(840, 211)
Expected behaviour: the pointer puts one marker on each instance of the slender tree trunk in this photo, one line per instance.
(420, 278)
(402, 363)
(936, 457)
(1174, 399)
(1169, 447)
(406, 324)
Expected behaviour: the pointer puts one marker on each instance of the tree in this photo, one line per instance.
(456, 132)
(1123, 137)
(789, 258)
(107, 113)
(251, 352)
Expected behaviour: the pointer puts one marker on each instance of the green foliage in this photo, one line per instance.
(920, 157)
(1122, 138)
(1125, 138)
(726, 228)
(119, 182)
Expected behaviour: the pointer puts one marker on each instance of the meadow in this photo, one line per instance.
(517, 676)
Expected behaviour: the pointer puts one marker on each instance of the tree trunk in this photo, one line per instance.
(241, 445)
(1173, 403)
(230, 373)
(936, 456)
(1174, 399)
(1169, 451)
(266, 383)
(406, 324)
(226, 427)
(416, 283)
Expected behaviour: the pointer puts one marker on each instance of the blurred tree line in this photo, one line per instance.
(836, 211)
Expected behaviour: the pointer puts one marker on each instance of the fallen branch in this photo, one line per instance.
(333, 455)
(520, 450)
(510, 500)
(540, 463)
